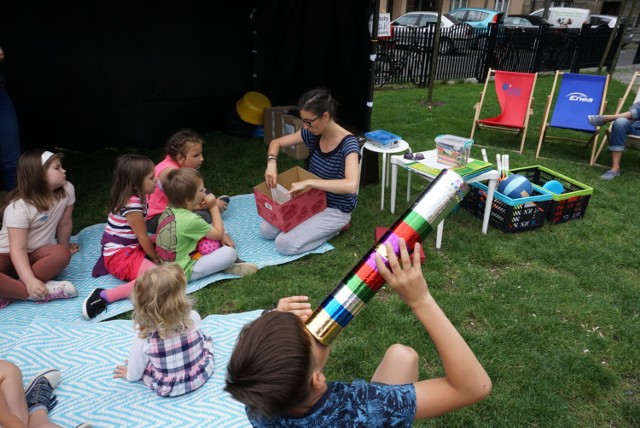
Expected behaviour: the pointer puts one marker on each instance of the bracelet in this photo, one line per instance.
(272, 158)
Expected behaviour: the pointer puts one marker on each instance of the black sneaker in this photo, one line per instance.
(39, 392)
(94, 305)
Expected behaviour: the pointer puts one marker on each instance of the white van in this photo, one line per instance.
(566, 17)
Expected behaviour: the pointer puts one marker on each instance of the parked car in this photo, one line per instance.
(565, 17)
(454, 34)
(479, 19)
(611, 21)
(524, 21)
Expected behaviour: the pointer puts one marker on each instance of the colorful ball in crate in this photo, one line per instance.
(554, 186)
(207, 246)
(516, 186)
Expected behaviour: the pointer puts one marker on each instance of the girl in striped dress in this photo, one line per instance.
(169, 353)
(127, 250)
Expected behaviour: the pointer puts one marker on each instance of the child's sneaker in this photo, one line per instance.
(39, 392)
(58, 290)
(94, 305)
(242, 269)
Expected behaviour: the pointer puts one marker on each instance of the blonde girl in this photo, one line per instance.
(127, 250)
(169, 352)
(184, 150)
(37, 223)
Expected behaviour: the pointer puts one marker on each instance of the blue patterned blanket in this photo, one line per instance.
(241, 220)
(87, 353)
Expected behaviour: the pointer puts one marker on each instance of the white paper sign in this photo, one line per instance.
(384, 25)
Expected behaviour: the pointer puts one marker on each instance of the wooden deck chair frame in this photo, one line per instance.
(545, 121)
(633, 141)
(521, 130)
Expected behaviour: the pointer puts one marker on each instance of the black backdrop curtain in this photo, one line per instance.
(91, 74)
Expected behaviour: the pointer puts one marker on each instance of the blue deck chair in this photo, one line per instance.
(579, 96)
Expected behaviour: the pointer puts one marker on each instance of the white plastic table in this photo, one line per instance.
(402, 146)
(431, 160)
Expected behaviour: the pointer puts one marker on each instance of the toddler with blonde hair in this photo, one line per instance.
(169, 353)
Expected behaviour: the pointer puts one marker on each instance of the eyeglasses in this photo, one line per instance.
(414, 156)
(310, 122)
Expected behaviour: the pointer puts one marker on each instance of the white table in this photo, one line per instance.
(402, 146)
(431, 160)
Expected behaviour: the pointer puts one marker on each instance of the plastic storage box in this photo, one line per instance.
(510, 215)
(452, 150)
(571, 204)
(382, 138)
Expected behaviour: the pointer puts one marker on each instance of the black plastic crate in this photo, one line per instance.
(571, 204)
(510, 215)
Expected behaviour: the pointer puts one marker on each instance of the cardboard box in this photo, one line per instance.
(288, 215)
(290, 125)
(382, 230)
(277, 123)
(273, 121)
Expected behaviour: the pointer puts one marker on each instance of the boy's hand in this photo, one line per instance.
(298, 305)
(121, 371)
(74, 248)
(209, 201)
(406, 280)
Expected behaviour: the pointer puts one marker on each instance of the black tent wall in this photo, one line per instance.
(91, 74)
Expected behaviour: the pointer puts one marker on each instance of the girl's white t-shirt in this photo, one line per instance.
(41, 226)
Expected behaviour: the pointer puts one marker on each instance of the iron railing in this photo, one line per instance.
(469, 53)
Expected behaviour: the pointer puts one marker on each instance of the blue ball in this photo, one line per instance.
(514, 186)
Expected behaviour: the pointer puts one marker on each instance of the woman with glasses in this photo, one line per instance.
(334, 157)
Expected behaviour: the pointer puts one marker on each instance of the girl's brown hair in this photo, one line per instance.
(31, 181)
(160, 302)
(181, 186)
(178, 143)
(128, 179)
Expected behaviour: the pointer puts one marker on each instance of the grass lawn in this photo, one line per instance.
(552, 313)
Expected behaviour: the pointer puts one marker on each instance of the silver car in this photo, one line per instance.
(611, 21)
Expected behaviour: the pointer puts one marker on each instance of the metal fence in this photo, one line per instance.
(406, 57)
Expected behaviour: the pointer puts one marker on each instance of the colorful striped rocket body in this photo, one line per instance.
(360, 285)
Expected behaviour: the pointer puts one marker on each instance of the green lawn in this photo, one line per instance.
(552, 313)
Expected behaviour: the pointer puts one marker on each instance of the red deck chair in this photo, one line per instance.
(515, 95)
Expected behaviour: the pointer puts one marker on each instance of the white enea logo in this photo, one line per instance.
(579, 96)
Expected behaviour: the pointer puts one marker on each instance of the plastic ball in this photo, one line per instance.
(516, 186)
(554, 186)
(207, 246)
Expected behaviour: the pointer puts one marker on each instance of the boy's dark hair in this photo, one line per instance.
(271, 365)
(181, 186)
